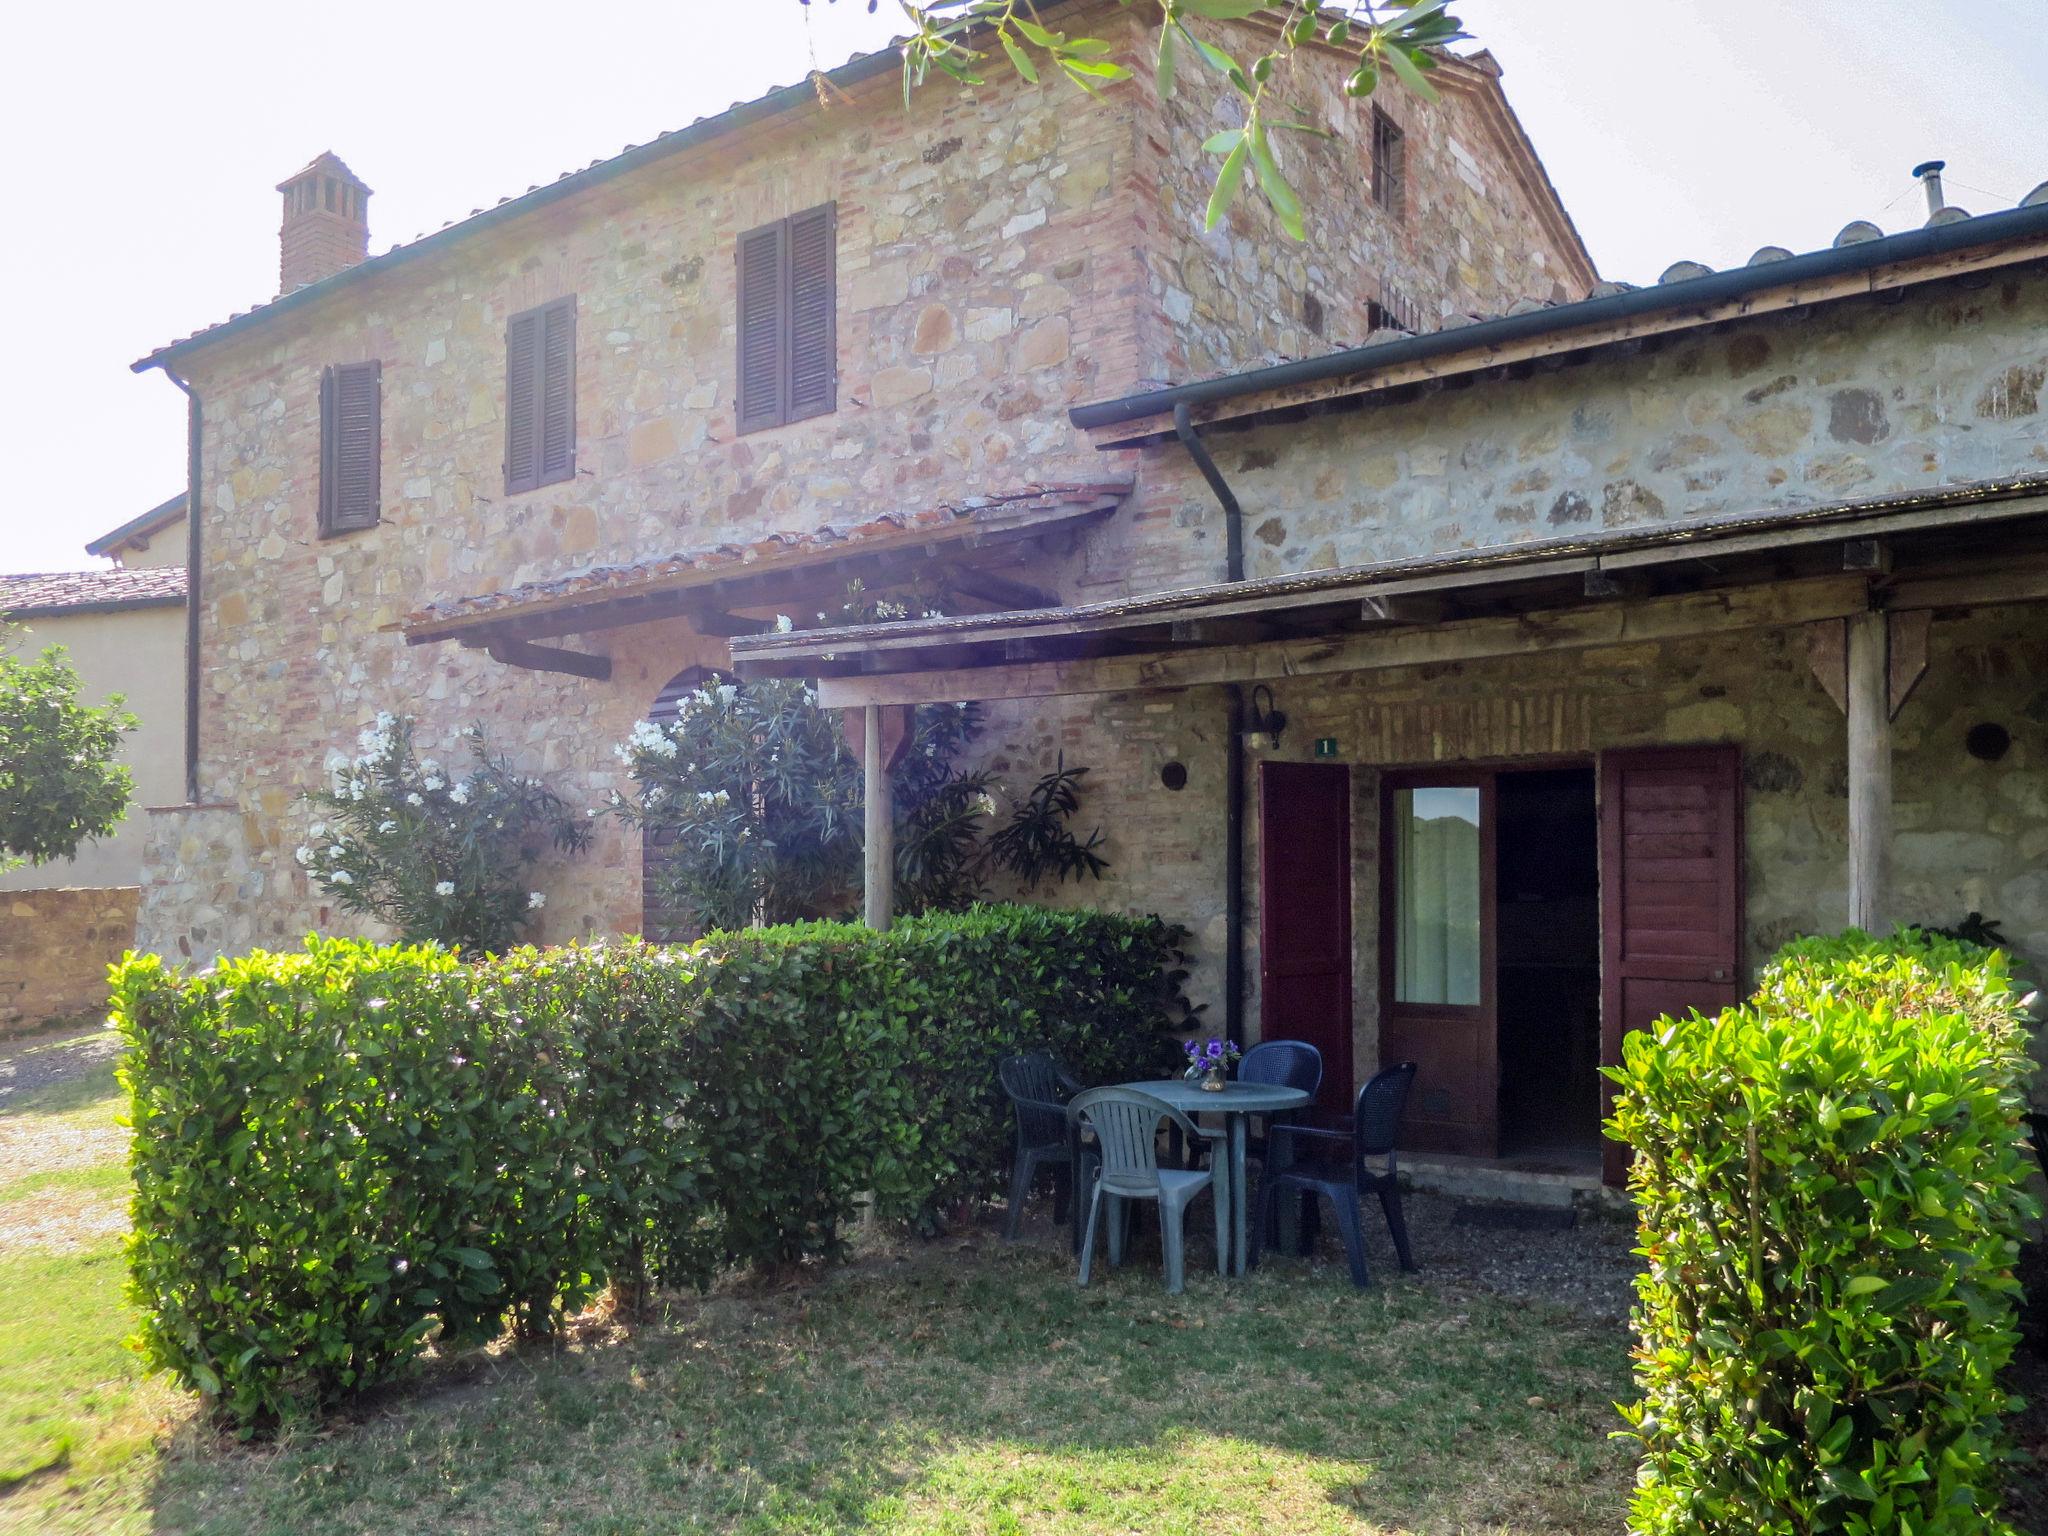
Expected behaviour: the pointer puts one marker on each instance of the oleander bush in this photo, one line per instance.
(343, 1153)
(1830, 1183)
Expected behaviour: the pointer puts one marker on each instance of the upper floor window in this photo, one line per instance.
(1389, 164)
(351, 446)
(540, 396)
(788, 319)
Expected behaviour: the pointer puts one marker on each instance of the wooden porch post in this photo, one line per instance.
(1870, 770)
(881, 822)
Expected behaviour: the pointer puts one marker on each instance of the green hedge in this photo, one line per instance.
(1831, 1192)
(342, 1152)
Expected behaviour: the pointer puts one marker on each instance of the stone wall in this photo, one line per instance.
(138, 653)
(1476, 230)
(1000, 258)
(55, 947)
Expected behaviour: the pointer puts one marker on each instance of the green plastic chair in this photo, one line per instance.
(1126, 1127)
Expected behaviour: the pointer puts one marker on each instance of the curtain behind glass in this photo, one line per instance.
(1436, 896)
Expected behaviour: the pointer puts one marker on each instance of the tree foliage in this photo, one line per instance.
(60, 785)
(755, 799)
(1402, 38)
(442, 858)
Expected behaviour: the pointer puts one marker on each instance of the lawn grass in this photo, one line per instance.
(78, 1422)
(958, 1386)
(964, 1386)
(974, 1388)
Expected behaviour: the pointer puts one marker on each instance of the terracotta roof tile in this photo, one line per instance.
(24, 596)
(1030, 505)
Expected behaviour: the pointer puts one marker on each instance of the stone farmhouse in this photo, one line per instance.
(1479, 657)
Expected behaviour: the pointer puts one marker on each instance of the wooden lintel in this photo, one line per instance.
(1778, 605)
(550, 658)
(2025, 582)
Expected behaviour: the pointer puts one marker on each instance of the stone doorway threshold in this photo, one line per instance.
(1561, 1181)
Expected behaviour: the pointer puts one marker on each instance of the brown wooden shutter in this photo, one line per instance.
(351, 446)
(557, 429)
(763, 327)
(522, 414)
(540, 396)
(813, 313)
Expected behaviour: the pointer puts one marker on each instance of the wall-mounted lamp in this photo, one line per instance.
(1263, 723)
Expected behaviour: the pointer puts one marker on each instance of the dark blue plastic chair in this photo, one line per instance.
(1280, 1063)
(1038, 1089)
(1126, 1168)
(1375, 1131)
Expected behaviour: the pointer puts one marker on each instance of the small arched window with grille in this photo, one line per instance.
(660, 921)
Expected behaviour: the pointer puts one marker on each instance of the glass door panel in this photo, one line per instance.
(1438, 910)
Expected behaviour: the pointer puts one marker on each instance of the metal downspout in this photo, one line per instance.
(1234, 776)
(192, 522)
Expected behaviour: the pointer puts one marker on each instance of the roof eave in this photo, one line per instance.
(2020, 227)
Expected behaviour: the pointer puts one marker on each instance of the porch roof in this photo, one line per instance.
(705, 581)
(1983, 541)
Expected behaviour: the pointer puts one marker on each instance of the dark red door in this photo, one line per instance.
(1670, 892)
(1305, 915)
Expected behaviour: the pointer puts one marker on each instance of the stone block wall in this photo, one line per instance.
(55, 947)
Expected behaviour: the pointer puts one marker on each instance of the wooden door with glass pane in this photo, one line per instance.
(1436, 956)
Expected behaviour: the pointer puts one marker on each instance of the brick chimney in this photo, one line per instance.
(326, 223)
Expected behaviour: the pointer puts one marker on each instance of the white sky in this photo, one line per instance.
(139, 145)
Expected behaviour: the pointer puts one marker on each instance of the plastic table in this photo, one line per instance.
(1236, 1103)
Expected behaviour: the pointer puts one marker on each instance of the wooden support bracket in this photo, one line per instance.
(549, 658)
(1827, 653)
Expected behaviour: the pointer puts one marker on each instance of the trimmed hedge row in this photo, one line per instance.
(342, 1151)
(1831, 1191)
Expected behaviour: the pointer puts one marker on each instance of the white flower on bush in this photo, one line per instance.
(431, 783)
(414, 799)
(387, 827)
(341, 877)
(444, 888)
(459, 793)
(535, 900)
(303, 854)
(318, 829)
(727, 693)
(783, 624)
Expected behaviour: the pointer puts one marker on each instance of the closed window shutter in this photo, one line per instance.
(351, 446)
(557, 432)
(763, 327)
(813, 313)
(522, 414)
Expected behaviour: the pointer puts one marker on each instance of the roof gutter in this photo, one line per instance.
(1692, 293)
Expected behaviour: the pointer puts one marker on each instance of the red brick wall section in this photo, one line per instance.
(55, 947)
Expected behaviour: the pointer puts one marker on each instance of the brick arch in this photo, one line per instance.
(660, 923)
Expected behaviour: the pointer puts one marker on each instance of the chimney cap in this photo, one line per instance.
(326, 163)
(1929, 168)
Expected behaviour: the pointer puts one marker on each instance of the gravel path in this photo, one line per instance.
(40, 1061)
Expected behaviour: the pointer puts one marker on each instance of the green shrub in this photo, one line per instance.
(1831, 1193)
(343, 1152)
